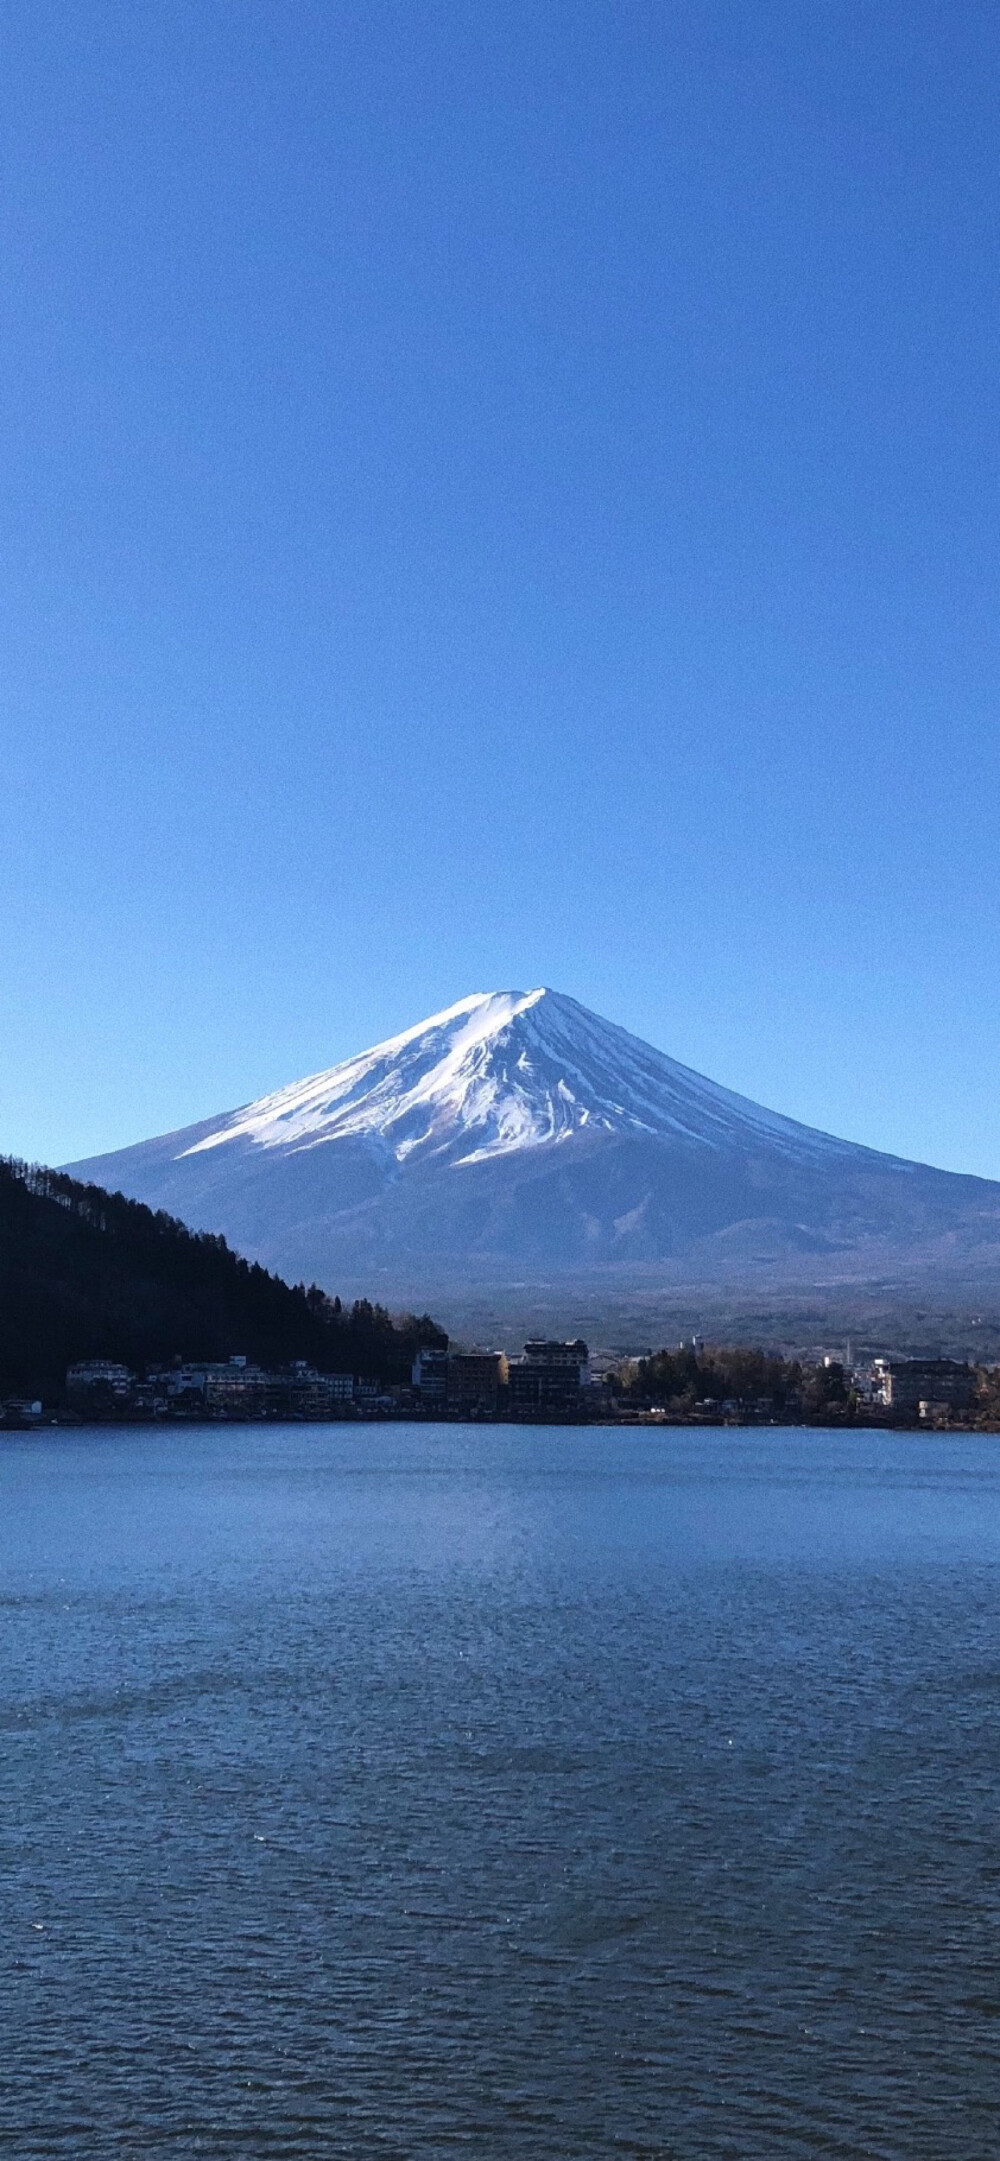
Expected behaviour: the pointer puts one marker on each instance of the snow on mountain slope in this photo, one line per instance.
(504, 1071)
(519, 1137)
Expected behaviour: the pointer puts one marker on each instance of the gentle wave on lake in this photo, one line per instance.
(538, 1794)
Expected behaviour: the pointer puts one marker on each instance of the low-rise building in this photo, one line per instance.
(302, 1392)
(215, 1387)
(902, 1384)
(19, 1413)
(371, 1394)
(99, 1384)
(340, 1386)
(233, 1388)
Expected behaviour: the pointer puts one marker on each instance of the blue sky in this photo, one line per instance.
(499, 495)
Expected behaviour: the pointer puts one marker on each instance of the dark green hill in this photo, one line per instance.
(89, 1274)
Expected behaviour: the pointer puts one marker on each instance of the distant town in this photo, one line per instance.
(110, 1313)
(547, 1382)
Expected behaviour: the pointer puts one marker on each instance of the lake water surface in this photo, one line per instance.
(539, 1794)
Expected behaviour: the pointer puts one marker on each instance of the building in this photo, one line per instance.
(99, 1384)
(232, 1388)
(301, 1392)
(546, 1382)
(430, 1376)
(370, 1394)
(19, 1413)
(215, 1387)
(903, 1384)
(865, 1383)
(475, 1379)
(541, 1351)
(340, 1387)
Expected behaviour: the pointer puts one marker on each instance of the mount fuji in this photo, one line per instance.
(516, 1137)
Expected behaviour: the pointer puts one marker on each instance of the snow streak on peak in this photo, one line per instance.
(503, 1071)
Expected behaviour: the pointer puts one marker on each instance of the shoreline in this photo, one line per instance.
(69, 1421)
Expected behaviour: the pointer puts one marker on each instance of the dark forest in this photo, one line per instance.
(89, 1274)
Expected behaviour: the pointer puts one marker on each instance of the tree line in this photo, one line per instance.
(713, 1375)
(90, 1274)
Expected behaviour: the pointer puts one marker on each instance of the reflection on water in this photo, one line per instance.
(408, 1791)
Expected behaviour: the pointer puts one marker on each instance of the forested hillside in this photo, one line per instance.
(89, 1274)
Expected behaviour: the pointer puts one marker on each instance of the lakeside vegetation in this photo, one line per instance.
(730, 1378)
(700, 1385)
(85, 1274)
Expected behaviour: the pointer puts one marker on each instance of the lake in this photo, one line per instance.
(417, 1791)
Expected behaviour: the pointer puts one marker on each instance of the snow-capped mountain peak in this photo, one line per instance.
(497, 1073)
(521, 1139)
(517, 1139)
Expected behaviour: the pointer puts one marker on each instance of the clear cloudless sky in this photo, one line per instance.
(498, 494)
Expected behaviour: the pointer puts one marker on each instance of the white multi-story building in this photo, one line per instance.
(90, 1375)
